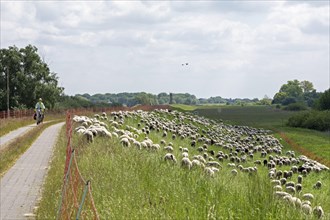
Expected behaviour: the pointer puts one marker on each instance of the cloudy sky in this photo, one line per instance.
(233, 48)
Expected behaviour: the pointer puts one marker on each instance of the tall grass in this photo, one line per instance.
(128, 183)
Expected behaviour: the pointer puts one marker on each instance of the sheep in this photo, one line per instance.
(288, 199)
(298, 187)
(290, 189)
(209, 171)
(196, 163)
(300, 178)
(317, 185)
(297, 202)
(125, 142)
(280, 194)
(186, 163)
(308, 196)
(89, 135)
(277, 188)
(283, 181)
(307, 209)
(234, 172)
(168, 148)
(170, 157)
(213, 164)
(318, 212)
(276, 182)
(185, 154)
(185, 150)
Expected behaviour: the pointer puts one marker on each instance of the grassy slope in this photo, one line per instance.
(132, 184)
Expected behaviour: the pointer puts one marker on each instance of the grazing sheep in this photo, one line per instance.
(277, 188)
(298, 187)
(168, 148)
(186, 163)
(89, 135)
(317, 185)
(185, 150)
(289, 199)
(196, 163)
(213, 164)
(185, 154)
(169, 157)
(290, 189)
(276, 182)
(209, 171)
(318, 212)
(234, 172)
(280, 194)
(307, 209)
(308, 196)
(300, 178)
(125, 142)
(283, 181)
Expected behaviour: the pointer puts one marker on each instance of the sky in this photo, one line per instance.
(234, 49)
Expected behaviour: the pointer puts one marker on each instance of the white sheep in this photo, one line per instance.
(186, 163)
(170, 157)
(196, 163)
(317, 185)
(125, 142)
(168, 148)
(318, 212)
(209, 171)
(234, 172)
(308, 196)
(185, 154)
(307, 209)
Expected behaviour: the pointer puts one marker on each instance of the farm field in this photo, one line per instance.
(132, 180)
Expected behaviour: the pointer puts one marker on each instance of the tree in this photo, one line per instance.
(323, 103)
(307, 86)
(29, 78)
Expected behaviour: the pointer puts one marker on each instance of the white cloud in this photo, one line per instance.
(234, 49)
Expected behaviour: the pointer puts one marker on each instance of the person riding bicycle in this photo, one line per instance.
(40, 109)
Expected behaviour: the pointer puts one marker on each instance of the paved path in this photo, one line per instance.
(14, 134)
(21, 185)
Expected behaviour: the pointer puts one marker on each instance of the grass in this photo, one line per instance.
(138, 184)
(17, 147)
(8, 125)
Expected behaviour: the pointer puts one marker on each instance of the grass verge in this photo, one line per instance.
(16, 148)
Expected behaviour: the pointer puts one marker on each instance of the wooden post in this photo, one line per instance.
(8, 113)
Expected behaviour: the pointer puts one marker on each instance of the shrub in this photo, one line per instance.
(298, 106)
(317, 120)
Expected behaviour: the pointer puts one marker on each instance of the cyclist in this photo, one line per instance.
(39, 109)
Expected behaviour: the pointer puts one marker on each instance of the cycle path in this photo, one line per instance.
(20, 187)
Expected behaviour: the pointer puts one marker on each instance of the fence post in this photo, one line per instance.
(83, 199)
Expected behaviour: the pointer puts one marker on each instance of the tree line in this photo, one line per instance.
(25, 76)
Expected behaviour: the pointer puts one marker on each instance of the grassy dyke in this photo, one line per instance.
(52, 187)
(138, 184)
(17, 147)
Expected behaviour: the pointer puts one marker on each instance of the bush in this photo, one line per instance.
(298, 106)
(317, 120)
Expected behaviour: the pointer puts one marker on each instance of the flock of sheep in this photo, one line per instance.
(237, 146)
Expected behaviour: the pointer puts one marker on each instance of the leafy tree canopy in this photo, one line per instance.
(29, 79)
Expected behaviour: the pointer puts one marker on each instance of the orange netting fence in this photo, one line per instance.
(76, 201)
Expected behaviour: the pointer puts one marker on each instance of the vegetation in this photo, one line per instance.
(296, 92)
(317, 120)
(29, 79)
(132, 99)
(138, 184)
(8, 125)
(323, 103)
